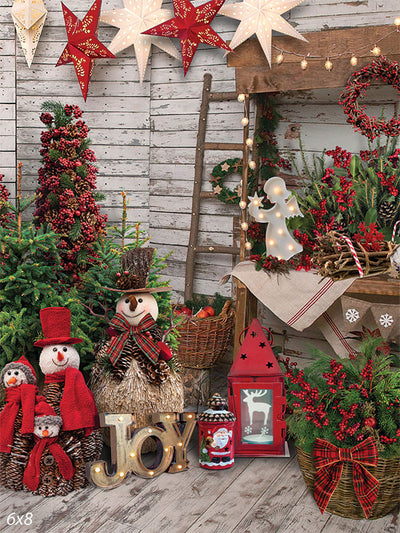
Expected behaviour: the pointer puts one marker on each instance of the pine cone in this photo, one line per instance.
(89, 218)
(82, 186)
(50, 215)
(70, 152)
(72, 130)
(73, 204)
(71, 173)
(387, 210)
(127, 282)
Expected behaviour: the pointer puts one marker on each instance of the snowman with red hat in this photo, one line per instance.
(132, 370)
(65, 388)
(16, 420)
(50, 470)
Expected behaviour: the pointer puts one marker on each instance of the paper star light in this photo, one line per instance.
(191, 25)
(137, 17)
(83, 46)
(260, 17)
(28, 17)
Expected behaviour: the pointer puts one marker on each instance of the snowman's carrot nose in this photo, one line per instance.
(60, 356)
(12, 380)
(45, 433)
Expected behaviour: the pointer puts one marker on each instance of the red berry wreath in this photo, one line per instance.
(385, 70)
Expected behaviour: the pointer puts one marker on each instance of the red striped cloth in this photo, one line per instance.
(140, 334)
(329, 459)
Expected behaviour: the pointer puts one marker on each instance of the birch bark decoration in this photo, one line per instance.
(29, 17)
(278, 240)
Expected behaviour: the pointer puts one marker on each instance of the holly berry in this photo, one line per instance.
(370, 422)
(118, 274)
(78, 213)
(126, 272)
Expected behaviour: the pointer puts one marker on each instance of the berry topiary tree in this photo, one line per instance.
(67, 180)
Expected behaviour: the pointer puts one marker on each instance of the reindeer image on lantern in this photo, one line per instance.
(256, 428)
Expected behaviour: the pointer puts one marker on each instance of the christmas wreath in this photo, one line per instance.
(385, 70)
(224, 169)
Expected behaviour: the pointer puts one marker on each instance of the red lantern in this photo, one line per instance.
(257, 397)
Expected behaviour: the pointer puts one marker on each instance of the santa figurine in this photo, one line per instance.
(48, 460)
(64, 385)
(136, 377)
(16, 420)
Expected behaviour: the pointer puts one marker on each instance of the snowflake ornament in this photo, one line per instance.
(247, 430)
(352, 315)
(264, 430)
(386, 320)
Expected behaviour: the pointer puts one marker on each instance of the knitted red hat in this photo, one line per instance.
(56, 325)
(24, 365)
(45, 414)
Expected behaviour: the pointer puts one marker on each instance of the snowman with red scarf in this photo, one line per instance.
(64, 386)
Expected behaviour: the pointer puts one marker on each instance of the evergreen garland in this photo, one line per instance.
(219, 173)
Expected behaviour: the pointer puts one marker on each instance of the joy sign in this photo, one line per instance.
(127, 442)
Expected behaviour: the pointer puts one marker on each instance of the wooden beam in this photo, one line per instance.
(379, 285)
(223, 146)
(231, 250)
(246, 310)
(253, 74)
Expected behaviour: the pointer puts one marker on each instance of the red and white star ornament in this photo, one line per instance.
(83, 46)
(191, 25)
(136, 17)
(260, 17)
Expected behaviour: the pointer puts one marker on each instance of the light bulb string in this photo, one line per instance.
(334, 56)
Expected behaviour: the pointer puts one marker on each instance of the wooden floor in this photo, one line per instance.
(256, 495)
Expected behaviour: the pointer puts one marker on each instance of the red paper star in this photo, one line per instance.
(83, 46)
(192, 26)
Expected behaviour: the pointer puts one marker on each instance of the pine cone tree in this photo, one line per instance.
(387, 210)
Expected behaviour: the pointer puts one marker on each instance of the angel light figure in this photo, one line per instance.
(278, 240)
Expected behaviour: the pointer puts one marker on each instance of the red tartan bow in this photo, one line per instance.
(329, 461)
(138, 333)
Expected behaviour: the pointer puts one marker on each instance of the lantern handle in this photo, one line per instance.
(270, 337)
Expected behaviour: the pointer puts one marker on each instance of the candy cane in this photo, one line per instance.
(394, 230)
(355, 256)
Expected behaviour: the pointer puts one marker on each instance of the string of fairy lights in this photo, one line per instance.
(373, 48)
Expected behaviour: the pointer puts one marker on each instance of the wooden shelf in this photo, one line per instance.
(380, 285)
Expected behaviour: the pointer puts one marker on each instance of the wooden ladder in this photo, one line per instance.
(246, 305)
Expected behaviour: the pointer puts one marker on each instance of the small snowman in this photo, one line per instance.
(64, 385)
(47, 458)
(19, 380)
(131, 372)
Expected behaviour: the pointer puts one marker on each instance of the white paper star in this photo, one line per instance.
(261, 17)
(137, 17)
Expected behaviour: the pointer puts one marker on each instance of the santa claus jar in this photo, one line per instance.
(216, 426)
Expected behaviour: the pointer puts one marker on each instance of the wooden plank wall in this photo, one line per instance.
(144, 136)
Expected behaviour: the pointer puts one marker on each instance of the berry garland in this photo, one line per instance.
(389, 72)
(224, 169)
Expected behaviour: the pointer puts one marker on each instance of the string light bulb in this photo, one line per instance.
(122, 474)
(249, 142)
(244, 226)
(376, 51)
(241, 98)
(328, 65)
(279, 59)
(252, 165)
(97, 469)
(397, 21)
(248, 245)
(304, 64)
(256, 202)
(132, 455)
(242, 204)
(245, 121)
(353, 61)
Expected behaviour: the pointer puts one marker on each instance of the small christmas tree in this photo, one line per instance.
(67, 181)
(204, 456)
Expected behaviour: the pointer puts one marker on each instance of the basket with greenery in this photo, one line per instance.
(348, 403)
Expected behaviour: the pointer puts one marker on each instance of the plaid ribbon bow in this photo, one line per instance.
(329, 459)
(138, 333)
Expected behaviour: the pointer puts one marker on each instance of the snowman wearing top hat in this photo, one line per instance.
(137, 377)
(64, 386)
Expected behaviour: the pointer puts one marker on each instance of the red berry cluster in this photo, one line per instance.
(66, 183)
(5, 214)
(336, 377)
(388, 181)
(256, 232)
(344, 428)
(380, 69)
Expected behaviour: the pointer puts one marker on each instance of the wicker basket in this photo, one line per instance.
(334, 257)
(344, 501)
(203, 340)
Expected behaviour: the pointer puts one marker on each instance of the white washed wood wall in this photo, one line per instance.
(144, 136)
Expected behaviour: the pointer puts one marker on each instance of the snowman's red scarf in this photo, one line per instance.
(77, 406)
(140, 334)
(23, 397)
(31, 477)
